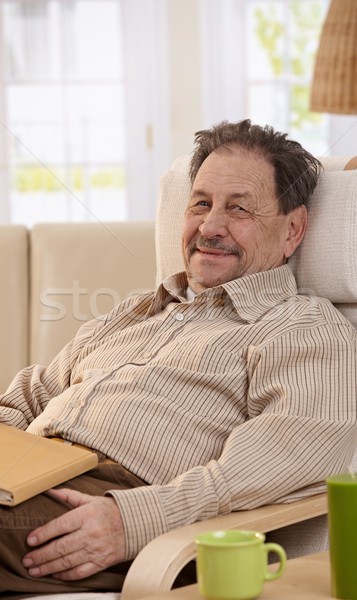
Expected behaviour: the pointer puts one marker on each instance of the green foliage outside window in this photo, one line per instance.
(38, 179)
(306, 21)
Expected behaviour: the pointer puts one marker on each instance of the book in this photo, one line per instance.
(31, 464)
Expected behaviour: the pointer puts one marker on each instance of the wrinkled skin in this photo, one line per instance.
(232, 224)
(87, 539)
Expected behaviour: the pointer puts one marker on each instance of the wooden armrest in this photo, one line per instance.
(156, 567)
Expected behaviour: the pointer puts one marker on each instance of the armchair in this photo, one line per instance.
(325, 265)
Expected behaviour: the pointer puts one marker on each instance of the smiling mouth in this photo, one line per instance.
(213, 248)
(213, 252)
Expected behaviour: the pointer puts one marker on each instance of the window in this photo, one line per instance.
(260, 55)
(79, 80)
(63, 93)
(281, 46)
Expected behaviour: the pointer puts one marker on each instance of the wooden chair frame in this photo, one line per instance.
(156, 567)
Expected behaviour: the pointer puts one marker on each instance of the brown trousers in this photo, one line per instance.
(17, 522)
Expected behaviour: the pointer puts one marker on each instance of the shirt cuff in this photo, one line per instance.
(142, 515)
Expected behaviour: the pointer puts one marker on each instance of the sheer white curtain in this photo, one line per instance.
(148, 127)
(83, 109)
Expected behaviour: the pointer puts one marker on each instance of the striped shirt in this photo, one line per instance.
(243, 396)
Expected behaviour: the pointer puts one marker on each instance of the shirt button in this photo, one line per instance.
(147, 355)
(179, 317)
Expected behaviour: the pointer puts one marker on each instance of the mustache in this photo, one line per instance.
(216, 244)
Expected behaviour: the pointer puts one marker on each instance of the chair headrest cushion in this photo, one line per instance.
(325, 264)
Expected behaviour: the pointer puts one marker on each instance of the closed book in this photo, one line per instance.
(31, 464)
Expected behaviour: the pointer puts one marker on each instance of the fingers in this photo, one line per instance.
(57, 527)
(79, 543)
(66, 565)
(56, 559)
(63, 524)
(71, 497)
(54, 556)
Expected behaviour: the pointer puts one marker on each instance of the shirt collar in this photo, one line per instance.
(252, 295)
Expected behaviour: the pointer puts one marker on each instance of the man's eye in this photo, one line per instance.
(240, 211)
(199, 203)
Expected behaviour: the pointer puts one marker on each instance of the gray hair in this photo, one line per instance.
(296, 171)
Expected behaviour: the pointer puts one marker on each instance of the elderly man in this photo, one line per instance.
(223, 390)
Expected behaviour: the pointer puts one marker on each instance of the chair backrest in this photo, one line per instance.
(79, 271)
(325, 264)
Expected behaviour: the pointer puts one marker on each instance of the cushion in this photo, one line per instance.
(325, 262)
(14, 277)
(174, 192)
(80, 271)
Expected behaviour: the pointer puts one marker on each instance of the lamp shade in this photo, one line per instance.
(334, 86)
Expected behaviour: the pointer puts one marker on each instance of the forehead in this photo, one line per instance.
(234, 169)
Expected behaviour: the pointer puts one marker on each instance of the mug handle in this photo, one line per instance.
(279, 550)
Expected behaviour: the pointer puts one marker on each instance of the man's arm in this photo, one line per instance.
(34, 386)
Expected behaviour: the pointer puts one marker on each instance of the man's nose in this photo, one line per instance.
(214, 224)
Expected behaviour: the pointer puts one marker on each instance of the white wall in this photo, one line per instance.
(343, 140)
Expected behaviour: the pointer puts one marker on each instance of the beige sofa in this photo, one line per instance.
(55, 277)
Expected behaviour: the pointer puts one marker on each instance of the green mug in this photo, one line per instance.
(233, 565)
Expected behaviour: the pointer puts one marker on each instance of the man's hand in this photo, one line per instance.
(83, 541)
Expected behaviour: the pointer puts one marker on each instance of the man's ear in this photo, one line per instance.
(297, 223)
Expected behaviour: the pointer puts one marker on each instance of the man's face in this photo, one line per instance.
(232, 226)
